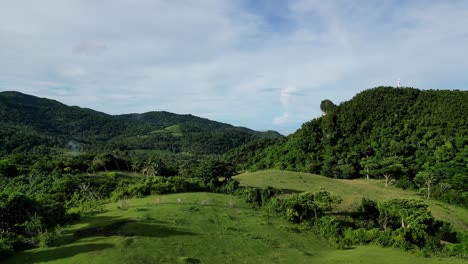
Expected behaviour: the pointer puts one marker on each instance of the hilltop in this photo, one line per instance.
(412, 138)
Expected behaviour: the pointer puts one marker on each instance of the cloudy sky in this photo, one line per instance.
(259, 64)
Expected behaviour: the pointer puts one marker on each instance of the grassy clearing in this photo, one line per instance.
(199, 228)
(120, 174)
(175, 130)
(352, 191)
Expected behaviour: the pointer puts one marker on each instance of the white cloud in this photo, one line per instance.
(220, 59)
(287, 95)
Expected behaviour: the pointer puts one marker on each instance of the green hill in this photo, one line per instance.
(200, 228)
(28, 122)
(415, 138)
(352, 192)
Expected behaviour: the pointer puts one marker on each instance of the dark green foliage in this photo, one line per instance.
(159, 185)
(304, 206)
(406, 224)
(256, 196)
(6, 248)
(23, 219)
(214, 169)
(388, 133)
(28, 122)
(327, 106)
(367, 215)
(8, 169)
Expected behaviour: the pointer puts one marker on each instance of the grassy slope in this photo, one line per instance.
(352, 191)
(210, 228)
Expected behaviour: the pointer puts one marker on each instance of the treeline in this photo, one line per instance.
(412, 138)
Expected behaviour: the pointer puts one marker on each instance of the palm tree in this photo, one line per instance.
(136, 166)
(151, 169)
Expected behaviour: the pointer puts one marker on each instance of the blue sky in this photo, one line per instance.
(259, 64)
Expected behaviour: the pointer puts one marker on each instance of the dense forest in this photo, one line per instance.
(413, 138)
(28, 123)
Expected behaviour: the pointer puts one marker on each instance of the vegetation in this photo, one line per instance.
(76, 183)
(31, 123)
(201, 228)
(412, 138)
(351, 191)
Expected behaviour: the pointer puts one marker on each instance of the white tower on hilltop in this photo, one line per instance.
(398, 83)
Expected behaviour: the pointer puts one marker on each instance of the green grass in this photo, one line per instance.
(352, 191)
(175, 130)
(200, 228)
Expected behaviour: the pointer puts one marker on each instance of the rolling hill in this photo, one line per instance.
(28, 122)
(201, 228)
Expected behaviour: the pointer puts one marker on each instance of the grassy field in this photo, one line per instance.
(200, 228)
(352, 191)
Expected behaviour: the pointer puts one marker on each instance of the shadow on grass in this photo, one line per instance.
(289, 191)
(56, 253)
(128, 228)
(113, 227)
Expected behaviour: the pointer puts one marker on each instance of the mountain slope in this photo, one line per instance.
(404, 134)
(27, 122)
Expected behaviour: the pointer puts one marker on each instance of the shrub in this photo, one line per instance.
(256, 196)
(327, 227)
(383, 238)
(6, 248)
(231, 186)
(357, 236)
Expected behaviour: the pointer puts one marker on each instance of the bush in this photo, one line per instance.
(6, 248)
(256, 196)
(383, 238)
(327, 227)
(304, 206)
(51, 238)
(231, 186)
(359, 236)
(159, 185)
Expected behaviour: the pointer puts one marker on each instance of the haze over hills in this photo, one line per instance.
(28, 122)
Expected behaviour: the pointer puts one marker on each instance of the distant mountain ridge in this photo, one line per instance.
(27, 122)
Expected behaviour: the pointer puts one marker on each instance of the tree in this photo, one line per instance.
(367, 163)
(214, 169)
(324, 200)
(401, 212)
(101, 161)
(326, 106)
(428, 179)
(151, 169)
(388, 167)
(136, 166)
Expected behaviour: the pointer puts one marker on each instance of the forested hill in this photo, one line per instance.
(414, 138)
(28, 122)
